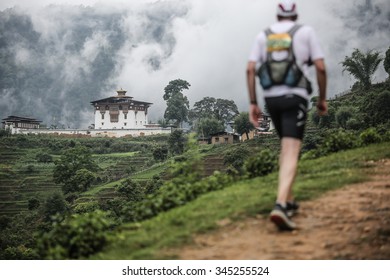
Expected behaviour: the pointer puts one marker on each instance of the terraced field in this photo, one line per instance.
(22, 178)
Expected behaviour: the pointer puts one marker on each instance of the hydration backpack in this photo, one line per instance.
(282, 72)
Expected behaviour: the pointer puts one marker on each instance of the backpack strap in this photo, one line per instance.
(292, 32)
(294, 29)
(268, 32)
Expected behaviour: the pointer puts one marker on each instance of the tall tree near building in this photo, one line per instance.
(177, 104)
(242, 124)
(222, 110)
(362, 66)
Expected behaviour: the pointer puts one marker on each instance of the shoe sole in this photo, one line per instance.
(281, 221)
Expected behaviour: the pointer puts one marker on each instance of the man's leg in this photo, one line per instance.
(288, 163)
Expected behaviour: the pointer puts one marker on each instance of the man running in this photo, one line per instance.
(286, 94)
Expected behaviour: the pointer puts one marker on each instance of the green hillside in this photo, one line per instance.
(148, 239)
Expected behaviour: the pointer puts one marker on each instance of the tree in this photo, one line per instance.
(242, 124)
(131, 190)
(175, 86)
(221, 109)
(207, 126)
(177, 104)
(177, 109)
(67, 170)
(344, 114)
(226, 110)
(362, 66)
(80, 182)
(55, 204)
(176, 142)
(386, 62)
(160, 152)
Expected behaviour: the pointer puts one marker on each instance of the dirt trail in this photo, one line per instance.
(349, 223)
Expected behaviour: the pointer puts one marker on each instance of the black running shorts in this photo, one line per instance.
(288, 114)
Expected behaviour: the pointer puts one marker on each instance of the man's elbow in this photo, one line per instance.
(320, 66)
(251, 69)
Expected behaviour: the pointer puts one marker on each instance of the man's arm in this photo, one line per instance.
(321, 80)
(254, 110)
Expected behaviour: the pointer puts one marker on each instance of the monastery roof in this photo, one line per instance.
(21, 119)
(121, 98)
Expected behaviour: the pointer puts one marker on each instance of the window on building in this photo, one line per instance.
(125, 123)
(135, 122)
(226, 140)
(114, 118)
(216, 139)
(102, 116)
(125, 116)
(102, 123)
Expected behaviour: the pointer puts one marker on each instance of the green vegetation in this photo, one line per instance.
(177, 104)
(132, 197)
(148, 239)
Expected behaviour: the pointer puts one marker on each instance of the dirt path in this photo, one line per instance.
(349, 223)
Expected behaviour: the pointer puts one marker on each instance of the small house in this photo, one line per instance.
(225, 137)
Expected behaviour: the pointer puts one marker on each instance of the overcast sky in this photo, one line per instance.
(214, 37)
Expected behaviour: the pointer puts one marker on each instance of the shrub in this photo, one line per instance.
(44, 157)
(33, 203)
(353, 123)
(160, 153)
(236, 157)
(260, 165)
(174, 193)
(339, 140)
(86, 207)
(76, 237)
(131, 190)
(55, 204)
(344, 114)
(370, 136)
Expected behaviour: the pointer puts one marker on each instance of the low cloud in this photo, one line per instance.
(75, 54)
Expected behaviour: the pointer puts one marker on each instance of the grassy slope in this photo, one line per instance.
(146, 240)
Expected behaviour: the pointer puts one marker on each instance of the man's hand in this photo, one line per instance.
(322, 107)
(254, 114)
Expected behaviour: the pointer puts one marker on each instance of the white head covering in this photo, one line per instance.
(287, 8)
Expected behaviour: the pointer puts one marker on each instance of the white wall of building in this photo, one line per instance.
(132, 121)
(98, 132)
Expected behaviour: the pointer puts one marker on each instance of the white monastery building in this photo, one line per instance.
(120, 112)
(115, 116)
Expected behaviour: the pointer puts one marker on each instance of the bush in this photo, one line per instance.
(131, 190)
(77, 236)
(160, 153)
(44, 157)
(370, 136)
(339, 140)
(260, 165)
(345, 114)
(236, 157)
(86, 207)
(33, 203)
(174, 193)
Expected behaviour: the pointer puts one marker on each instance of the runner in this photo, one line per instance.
(285, 50)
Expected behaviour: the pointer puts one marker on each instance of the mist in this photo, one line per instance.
(59, 57)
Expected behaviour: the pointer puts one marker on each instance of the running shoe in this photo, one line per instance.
(292, 208)
(280, 218)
